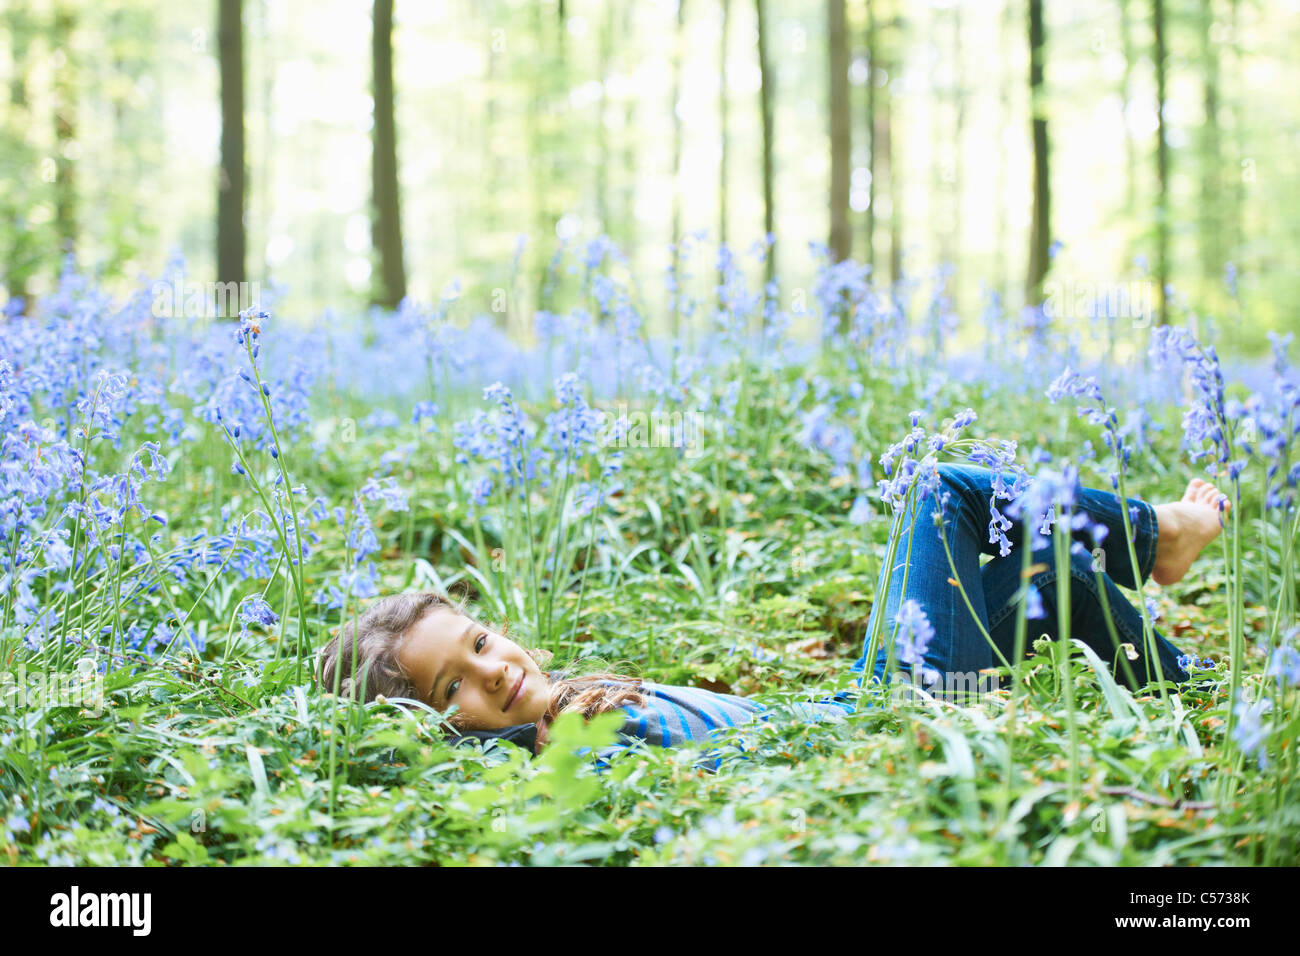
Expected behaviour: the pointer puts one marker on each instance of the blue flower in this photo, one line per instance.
(1034, 604)
(1050, 492)
(861, 512)
(255, 610)
(480, 490)
(1250, 732)
(914, 635)
(1284, 660)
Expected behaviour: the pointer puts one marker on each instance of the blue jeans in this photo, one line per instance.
(958, 646)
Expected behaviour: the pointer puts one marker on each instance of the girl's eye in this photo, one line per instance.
(454, 685)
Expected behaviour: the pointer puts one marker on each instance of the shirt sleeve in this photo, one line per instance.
(676, 716)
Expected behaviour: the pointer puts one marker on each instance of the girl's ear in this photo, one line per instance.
(541, 657)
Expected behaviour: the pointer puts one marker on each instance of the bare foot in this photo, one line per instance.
(1185, 528)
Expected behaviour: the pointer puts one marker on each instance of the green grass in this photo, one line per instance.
(737, 571)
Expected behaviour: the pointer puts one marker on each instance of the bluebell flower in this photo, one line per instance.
(1249, 731)
(1050, 493)
(1284, 660)
(387, 491)
(861, 511)
(914, 635)
(1034, 604)
(422, 411)
(480, 490)
(255, 610)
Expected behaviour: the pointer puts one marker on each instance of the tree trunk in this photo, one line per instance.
(872, 167)
(1233, 214)
(630, 144)
(959, 126)
(17, 262)
(537, 167)
(841, 239)
(936, 211)
(767, 101)
(602, 124)
(386, 226)
(678, 40)
(230, 191)
(491, 158)
(1162, 163)
(722, 122)
(1212, 258)
(65, 129)
(1040, 236)
(542, 145)
(887, 153)
(1006, 36)
(1130, 152)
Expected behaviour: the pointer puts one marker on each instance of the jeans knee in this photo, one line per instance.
(959, 486)
(1081, 559)
(950, 473)
(960, 475)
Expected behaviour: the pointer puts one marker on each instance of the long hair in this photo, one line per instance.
(361, 662)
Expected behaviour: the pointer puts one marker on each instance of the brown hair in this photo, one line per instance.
(361, 662)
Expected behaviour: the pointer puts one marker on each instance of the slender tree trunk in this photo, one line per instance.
(1212, 259)
(767, 102)
(889, 154)
(1040, 237)
(542, 141)
(537, 168)
(936, 205)
(491, 159)
(1006, 36)
(1162, 162)
(17, 264)
(841, 238)
(65, 128)
(872, 166)
(1234, 214)
(602, 123)
(230, 191)
(265, 195)
(958, 129)
(722, 122)
(558, 97)
(1126, 87)
(630, 144)
(679, 38)
(386, 226)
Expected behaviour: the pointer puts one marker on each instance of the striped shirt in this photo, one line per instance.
(673, 716)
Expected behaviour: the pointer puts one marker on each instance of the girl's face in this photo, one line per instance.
(452, 659)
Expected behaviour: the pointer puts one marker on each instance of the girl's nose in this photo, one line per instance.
(494, 672)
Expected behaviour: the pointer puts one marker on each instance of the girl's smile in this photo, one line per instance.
(453, 659)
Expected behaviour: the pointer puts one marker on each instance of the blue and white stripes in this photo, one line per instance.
(673, 716)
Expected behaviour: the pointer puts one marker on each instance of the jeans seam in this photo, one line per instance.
(1003, 611)
(1138, 642)
(1044, 578)
(1150, 549)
